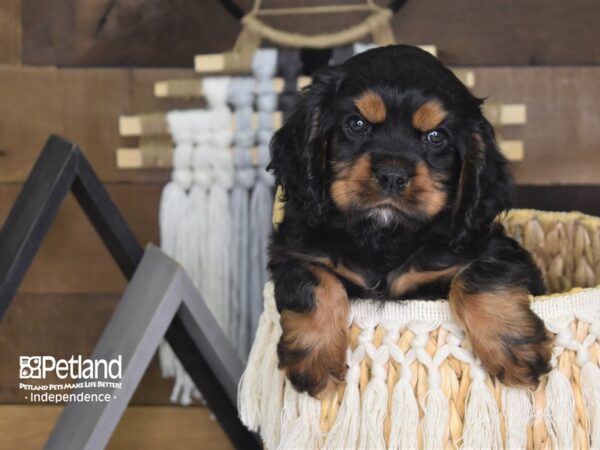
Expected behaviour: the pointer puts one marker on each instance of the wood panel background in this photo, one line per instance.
(71, 67)
(147, 428)
(170, 32)
(561, 136)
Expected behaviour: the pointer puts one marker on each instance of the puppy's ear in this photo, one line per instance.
(298, 149)
(484, 188)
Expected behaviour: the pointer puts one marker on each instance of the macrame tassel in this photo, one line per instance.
(250, 394)
(289, 411)
(435, 405)
(374, 405)
(184, 389)
(271, 389)
(435, 418)
(261, 202)
(405, 417)
(173, 201)
(560, 409)
(304, 432)
(517, 409)
(199, 225)
(482, 421)
(240, 209)
(173, 220)
(590, 386)
(241, 97)
(405, 410)
(289, 66)
(344, 433)
(219, 212)
(166, 359)
(272, 394)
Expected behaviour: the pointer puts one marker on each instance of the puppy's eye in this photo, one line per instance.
(435, 138)
(357, 125)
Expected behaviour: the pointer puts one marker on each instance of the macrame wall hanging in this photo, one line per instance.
(215, 213)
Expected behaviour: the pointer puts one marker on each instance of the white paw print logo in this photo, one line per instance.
(30, 367)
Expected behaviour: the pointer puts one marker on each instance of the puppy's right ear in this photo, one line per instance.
(298, 149)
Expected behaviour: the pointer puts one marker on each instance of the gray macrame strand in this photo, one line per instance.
(241, 98)
(261, 202)
(289, 66)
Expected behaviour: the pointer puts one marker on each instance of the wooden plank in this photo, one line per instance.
(82, 105)
(62, 325)
(128, 32)
(560, 198)
(563, 111)
(150, 428)
(10, 32)
(562, 132)
(72, 254)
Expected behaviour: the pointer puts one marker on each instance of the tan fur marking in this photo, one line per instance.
(429, 116)
(491, 317)
(320, 335)
(408, 281)
(339, 268)
(426, 191)
(351, 182)
(350, 275)
(371, 106)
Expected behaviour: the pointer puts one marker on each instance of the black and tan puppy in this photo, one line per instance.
(392, 181)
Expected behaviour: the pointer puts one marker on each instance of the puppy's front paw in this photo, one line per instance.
(509, 339)
(517, 358)
(312, 353)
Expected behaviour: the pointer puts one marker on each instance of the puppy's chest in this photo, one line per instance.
(402, 281)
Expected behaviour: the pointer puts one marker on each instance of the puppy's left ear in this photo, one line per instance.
(298, 149)
(484, 188)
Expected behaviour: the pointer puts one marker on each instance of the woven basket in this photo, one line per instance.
(413, 381)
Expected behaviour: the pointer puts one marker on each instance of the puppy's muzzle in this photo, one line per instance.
(392, 180)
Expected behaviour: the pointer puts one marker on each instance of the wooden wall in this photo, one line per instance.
(71, 67)
(170, 32)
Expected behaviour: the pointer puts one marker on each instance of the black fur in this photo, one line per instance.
(475, 181)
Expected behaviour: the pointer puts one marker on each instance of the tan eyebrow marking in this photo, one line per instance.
(429, 115)
(371, 106)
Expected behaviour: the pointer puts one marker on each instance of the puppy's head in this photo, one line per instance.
(394, 138)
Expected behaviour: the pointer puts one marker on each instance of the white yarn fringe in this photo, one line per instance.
(287, 419)
(590, 385)
(560, 408)
(482, 420)
(435, 419)
(374, 406)
(175, 233)
(517, 409)
(405, 417)
(250, 394)
(344, 433)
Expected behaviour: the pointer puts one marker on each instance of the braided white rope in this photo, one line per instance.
(360, 419)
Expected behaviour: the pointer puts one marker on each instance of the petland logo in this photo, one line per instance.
(38, 368)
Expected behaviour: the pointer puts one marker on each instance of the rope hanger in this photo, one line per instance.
(239, 60)
(254, 30)
(232, 7)
(377, 24)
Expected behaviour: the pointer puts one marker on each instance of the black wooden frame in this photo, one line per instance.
(62, 168)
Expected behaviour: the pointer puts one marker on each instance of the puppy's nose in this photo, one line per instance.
(392, 180)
